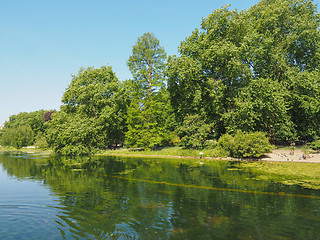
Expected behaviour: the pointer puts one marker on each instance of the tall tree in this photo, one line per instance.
(150, 107)
(147, 64)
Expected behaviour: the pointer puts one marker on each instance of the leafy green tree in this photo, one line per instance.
(150, 108)
(147, 64)
(41, 141)
(194, 132)
(72, 134)
(33, 119)
(261, 106)
(90, 91)
(275, 42)
(304, 103)
(210, 70)
(18, 137)
(283, 35)
(93, 113)
(315, 145)
(21, 129)
(151, 126)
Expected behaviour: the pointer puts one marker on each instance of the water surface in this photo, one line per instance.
(130, 198)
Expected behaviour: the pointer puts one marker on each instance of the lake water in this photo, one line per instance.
(45, 197)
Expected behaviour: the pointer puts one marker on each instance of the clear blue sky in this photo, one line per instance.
(43, 42)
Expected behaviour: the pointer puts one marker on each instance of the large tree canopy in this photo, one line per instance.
(93, 113)
(22, 129)
(91, 91)
(221, 64)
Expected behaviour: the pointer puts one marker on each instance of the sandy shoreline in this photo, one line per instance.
(280, 155)
(277, 155)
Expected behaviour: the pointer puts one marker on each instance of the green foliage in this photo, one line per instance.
(72, 134)
(244, 145)
(194, 132)
(18, 137)
(33, 119)
(210, 70)
(151, 124)
(91, 91)
(304, 103)
(254, 70)
(147, 64)
(315, 145)
(41, 142)
(226, 144)
(190, 93)
(261, 105)
(150, 119)
(93, 115)
(141, 133)
(21, 129)
(211, 144)
(282, 35)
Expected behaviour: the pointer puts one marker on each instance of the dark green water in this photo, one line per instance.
(131, 198)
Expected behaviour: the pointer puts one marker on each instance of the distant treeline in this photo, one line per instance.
(251, 71)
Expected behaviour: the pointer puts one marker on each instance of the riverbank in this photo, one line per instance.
(26, 150)
(277, 155)
(280, 166)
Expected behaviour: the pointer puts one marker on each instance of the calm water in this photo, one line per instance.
(130, 198)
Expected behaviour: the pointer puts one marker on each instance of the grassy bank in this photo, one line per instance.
(26, 150)
(166, 152)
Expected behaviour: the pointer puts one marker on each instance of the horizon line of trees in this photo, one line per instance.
(256, 70)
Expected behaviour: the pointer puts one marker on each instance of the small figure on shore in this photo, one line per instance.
(292, 144)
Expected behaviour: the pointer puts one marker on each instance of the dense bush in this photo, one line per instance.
(194, 132)
(152, 123)
(41, 142)
(21, 129)
(211, 144)
(315, 145)
(72, 134)
(226, 145)
(244, 145)
(17, 137)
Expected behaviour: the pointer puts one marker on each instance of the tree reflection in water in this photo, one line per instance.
(131, 198)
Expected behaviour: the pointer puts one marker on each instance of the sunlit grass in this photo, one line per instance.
(169, 151)
(26, 150)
